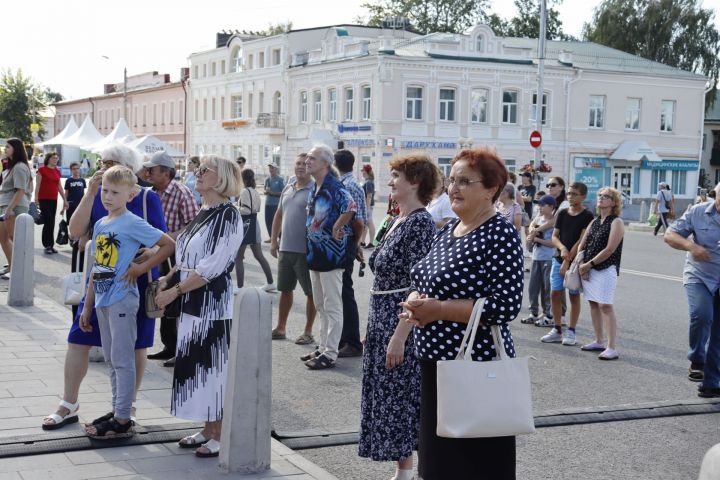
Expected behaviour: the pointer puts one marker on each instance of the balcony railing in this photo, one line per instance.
(270, 120)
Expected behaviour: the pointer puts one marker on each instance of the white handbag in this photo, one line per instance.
(483, 399)
(572, 279)
(73, 285)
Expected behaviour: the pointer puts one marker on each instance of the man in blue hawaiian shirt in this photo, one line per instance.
(330, 209)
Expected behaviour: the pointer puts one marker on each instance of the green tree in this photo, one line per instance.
(21, 101)
(428, 16)
(277, 28)
(679, 33)
(526, 23)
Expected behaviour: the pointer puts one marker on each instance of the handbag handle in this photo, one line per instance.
(145, 194)
(471, 331)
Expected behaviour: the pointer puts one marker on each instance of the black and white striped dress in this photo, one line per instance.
(208, 247)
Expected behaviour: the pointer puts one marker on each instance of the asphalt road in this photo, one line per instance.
(652, 314)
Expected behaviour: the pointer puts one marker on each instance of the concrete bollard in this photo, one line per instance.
(22, 270)
(245, 435)
(643, 212)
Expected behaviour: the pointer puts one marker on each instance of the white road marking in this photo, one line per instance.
(651, 275)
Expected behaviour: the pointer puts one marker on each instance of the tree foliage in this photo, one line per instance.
(526, 23)
(277, 28)
(428, 16)
(679, 33)
(21, 101)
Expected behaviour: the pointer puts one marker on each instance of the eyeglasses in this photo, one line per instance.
(461, 182)
(572, 194)
(108, 163)
(605, 196)
(203, 170)
(551, 185)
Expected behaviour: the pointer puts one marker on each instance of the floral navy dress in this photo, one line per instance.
(390, 405)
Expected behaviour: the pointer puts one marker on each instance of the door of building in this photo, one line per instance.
(622, 182)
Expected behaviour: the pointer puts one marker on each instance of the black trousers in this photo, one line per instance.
(48, 210)
(168, 326)
(661, 222)
(439, 458)
(269, 216)
(351, 317)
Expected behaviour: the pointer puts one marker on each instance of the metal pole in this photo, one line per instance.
(541, 73)
(125, 94)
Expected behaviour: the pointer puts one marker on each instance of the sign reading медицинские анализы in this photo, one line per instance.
(671, 165)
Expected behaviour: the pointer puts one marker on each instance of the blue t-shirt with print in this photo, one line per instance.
(274, 184)
(324, 207)
(115, 243)
(542, 252)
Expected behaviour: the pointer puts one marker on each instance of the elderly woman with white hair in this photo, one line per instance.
(508, 207)
(90, 210)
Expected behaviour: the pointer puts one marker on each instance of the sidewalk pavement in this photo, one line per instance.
(33, 341)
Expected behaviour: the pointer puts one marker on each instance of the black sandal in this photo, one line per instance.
(696, 372)
(320, 363)
(310, 356)
(99, 420)
(111, 429)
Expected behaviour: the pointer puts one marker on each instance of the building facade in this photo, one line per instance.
(609, 118)
(153, 106)
(710, 164)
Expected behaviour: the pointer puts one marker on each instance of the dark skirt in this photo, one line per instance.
(466, 458)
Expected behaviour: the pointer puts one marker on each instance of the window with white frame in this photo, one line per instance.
(444, 165)
(205, 110)
(172, 113)
(349, 99)
(212, 108)
(261, 60)
(195, 71)
(213, 69)
(667, 116)
(162, 114)
(679, 181)
(366, 102)
(204, 70)
(543, 112)
(236, 102)
(303, 106)
(332, 105)
(632, 114)
(276, 56)
(414, 103)
(250, 62)
(447, 104)
(480, 43)
(510, 164)
(222, 108)
(478, 105)
(181, 112)
(317, 106)
(657, 176)
(509, 107)
(222, 67)
(597, 111)
(250, 105)
(237, 151)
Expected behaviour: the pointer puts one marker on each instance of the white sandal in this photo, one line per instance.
(193, 441)
(213, 447)
(61, 421)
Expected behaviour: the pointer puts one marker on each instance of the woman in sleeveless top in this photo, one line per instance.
(602, 244)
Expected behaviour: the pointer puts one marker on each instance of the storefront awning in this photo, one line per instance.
(634, 152)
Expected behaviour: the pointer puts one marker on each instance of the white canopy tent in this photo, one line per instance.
(120, 134)
(149, 144)
(87, 134)
(66, 132)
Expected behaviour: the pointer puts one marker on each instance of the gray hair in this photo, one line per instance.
(124, 155)
(510, 190)
(325, 153)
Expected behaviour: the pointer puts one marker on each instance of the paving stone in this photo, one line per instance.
(12, 412)
(80, 472)
(118, 454)
(51, 460)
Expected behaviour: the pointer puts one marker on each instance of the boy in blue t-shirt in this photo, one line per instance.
(112, 288)
(542, 255)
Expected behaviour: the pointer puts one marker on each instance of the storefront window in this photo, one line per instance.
(444, 165)
(679, 180)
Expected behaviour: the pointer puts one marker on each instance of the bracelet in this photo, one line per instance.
(177, 289)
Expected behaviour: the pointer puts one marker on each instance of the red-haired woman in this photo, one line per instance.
(443, 299)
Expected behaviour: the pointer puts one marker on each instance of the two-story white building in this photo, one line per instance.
(710, 164)
(609, 118)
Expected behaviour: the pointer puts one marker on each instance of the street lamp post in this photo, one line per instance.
(541, 74)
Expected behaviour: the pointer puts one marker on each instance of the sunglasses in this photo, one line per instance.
(109, 163)
(606, 196)
(203, 170)
(551, 185)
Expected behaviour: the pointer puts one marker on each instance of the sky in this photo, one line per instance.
(63, 44)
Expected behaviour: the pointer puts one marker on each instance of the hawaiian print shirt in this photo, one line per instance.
(324, 253)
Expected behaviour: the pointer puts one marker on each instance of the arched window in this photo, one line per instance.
(277, 103)
(480, 43)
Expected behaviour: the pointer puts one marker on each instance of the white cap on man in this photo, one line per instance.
(160, 159)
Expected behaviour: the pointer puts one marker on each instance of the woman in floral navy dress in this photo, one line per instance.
(390, 406)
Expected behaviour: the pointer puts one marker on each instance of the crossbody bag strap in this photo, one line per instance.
(145, 217)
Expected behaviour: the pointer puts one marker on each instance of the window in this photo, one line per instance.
(237, 61)
(144, 122)
(135, 115)
(181, 112)
(154, 113)
(509, 107)
(667, 116)
(213, 69)
(332, 105)
(632, 114)
(195, 71)
(543, 112)
(276, 56)
(172, 113)
(317, 103)
(212, 108)
(480, 43)
(447, 105)
(657, 177)
(250, 105)
(261, 60)
(597, 111)
(349, 103)
(366, 103)
(679, 180)
(236, 103)
(204, 70)
(222, 108)
(277, 102)
(413, 103)
(222, 67)
(162, 114)
(510, 164)
(205, 112)
(250, 62)
(478, 105)
(303, 107)
(237, 150)
(261, 102)
(444, 165)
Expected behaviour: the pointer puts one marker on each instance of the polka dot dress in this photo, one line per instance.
(487, 262)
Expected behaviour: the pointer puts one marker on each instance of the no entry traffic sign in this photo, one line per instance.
(535, 139)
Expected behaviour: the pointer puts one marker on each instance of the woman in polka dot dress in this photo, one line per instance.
(479, 255)
(390, 407)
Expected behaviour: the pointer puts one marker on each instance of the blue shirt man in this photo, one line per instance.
(701, 278)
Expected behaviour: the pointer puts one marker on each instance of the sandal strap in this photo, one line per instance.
(73, 407)
(57, 418)
(195, 439)
(212, 445)
(102, 428)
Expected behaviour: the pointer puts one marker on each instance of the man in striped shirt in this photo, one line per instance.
(179, 208)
